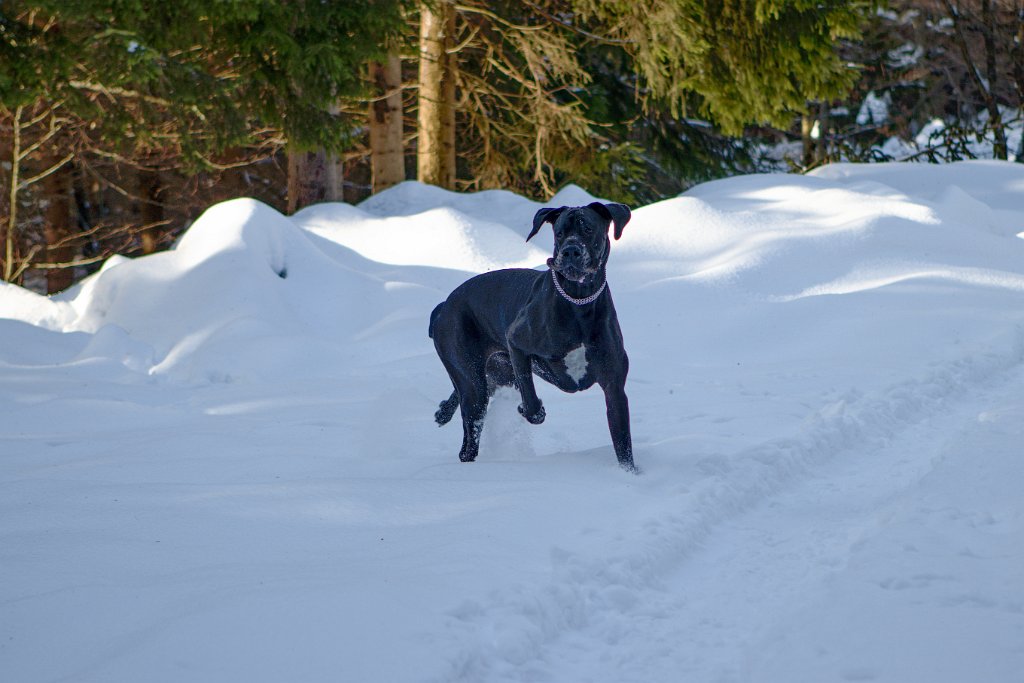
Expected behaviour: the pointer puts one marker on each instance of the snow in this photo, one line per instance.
(220, 462)
(932, 134)
(874, 109)
(907, 55)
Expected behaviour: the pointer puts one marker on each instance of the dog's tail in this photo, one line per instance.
(433, 319)
(447, 409)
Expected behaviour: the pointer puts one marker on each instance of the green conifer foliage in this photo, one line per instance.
(194, 74)
(747, 61)
(132, 94)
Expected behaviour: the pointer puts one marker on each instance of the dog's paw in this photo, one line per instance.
(536, 417)
(631, 467)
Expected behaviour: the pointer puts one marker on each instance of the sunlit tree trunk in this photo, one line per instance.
(387, 155)
(435, 156)
(806, 126)
(13, 178)
(313, 177)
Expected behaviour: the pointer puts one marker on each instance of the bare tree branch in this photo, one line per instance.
(110, 91)
(53, 169)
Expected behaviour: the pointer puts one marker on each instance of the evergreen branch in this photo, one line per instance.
(576, 29)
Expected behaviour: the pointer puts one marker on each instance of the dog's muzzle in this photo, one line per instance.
(573, 262)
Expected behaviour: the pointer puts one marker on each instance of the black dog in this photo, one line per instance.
(502, 327)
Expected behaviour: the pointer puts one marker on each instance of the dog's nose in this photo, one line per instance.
(572, 252)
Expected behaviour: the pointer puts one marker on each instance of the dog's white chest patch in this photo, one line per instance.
(576, 363)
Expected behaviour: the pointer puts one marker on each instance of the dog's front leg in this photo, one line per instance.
(618, 424)
(531, 407)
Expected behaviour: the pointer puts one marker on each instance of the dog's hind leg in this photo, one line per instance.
(447, 409)
(473, 401)
(460, 348)
(470, 395)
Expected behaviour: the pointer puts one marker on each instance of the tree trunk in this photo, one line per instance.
(57, 228)
(1017, 57)
(307, 178)
(435, 156)
(11, 251)
(387, 157)
(821, 144)
(151, 210)
(333, 171)
(999, 149)
(6, 228)
(806, 126)
(334, 177)
(313, 177)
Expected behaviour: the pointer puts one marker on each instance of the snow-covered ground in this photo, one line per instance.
(220, 463)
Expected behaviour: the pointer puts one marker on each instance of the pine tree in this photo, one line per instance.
(184, 85)
(738, 62)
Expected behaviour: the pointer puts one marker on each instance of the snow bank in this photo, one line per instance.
(220, 463)
(441, 237)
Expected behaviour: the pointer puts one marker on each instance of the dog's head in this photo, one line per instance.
(581, 236)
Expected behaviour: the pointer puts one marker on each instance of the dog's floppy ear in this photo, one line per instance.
(617, 213)
(544, 216)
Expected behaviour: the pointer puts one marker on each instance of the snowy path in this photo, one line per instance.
(819, 580)
(219, 463)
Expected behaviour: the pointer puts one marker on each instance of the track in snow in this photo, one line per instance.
(732, 589)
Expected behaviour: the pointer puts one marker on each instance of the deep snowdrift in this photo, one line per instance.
(220, 463)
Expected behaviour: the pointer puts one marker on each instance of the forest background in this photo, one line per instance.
(122, 120)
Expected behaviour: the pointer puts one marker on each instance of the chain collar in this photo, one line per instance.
(579, 302)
